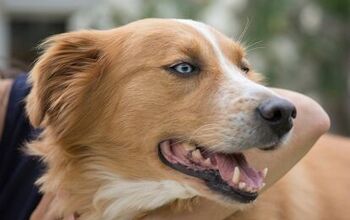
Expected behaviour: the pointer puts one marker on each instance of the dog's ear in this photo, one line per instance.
(70, 64)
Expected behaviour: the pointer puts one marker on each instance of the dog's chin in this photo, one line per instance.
(228, 175)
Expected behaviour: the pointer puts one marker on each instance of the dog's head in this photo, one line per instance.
(159, 100)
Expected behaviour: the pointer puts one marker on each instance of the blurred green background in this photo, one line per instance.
(303, 45)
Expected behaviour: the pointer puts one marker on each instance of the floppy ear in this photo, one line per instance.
(70, 64)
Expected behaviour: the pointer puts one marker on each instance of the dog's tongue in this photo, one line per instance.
(248, 175)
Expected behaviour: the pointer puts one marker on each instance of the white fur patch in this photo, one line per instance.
(233, 74)
(124, 199)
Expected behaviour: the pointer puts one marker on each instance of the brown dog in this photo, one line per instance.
(158, 111)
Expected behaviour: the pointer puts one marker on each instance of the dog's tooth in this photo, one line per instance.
(242, 185)
(249, 188)
(207, 162)
(188, 147)
(262, 186)
(236, 175)
(264, 172)
(196, 154)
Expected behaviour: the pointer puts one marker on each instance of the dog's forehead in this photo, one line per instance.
(178, 30)
(206, 31)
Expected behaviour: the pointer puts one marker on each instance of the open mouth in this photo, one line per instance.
(228, 174)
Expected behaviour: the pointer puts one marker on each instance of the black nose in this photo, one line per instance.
(278, 114)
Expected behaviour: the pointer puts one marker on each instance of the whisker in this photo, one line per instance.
(203, 127)
(246, 26)
(255, 48)
(253, 44)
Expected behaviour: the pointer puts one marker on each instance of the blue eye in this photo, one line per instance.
(184, 69)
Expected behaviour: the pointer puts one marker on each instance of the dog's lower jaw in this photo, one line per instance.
(125, 199)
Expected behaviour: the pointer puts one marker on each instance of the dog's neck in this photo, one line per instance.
(122, 199)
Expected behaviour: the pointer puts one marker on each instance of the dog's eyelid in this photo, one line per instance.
(183, 60)
(245, 66)
(174, 68)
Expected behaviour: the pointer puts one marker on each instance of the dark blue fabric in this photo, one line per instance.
(18, 171)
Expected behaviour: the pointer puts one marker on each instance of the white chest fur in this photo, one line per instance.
(124, 199)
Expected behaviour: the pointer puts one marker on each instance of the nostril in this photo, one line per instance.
(294, 113)
(270, 113)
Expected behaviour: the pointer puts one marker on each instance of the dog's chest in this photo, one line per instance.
(122, 199)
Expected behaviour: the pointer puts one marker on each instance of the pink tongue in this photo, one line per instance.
(227, 163)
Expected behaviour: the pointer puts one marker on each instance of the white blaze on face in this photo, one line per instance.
(234, 80)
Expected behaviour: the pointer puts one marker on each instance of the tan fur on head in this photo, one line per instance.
(106, 99)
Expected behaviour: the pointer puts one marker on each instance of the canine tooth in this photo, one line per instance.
(262, 186)
(196, 154)
(264, 172)
(207, 162)
(242, 185)
(236, 175)
(188, 147)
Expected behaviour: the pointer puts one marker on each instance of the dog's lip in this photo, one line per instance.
(273, 145)
(270, 147)
(228, 174)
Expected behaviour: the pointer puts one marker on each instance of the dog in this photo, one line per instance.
(161, 111)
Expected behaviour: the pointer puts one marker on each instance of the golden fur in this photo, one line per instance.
(89, 83)
(105, 101)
